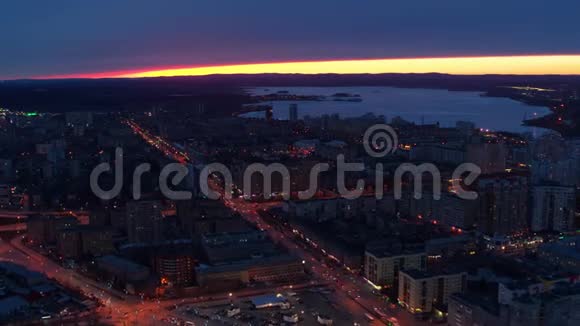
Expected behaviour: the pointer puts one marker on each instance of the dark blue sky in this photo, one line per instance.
(70, 36)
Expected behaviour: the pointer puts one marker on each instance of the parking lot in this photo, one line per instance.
(308, 307)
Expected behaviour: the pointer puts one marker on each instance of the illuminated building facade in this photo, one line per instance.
(382, 267)
(421, 291)
(175, 270)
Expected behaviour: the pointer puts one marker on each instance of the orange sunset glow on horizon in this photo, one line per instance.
(502, 65)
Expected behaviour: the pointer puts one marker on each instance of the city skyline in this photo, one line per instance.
(328, 162)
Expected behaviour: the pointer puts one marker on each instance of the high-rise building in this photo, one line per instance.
(555, 160)
(491, 158)
(457, 212)
(553, 208)
(293, 112)
(503, 204)
(144, 221)
(561, 171)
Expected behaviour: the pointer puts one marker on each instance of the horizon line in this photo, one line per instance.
(547, 64)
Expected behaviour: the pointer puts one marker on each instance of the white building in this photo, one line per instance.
(421, 291)
(382, 266)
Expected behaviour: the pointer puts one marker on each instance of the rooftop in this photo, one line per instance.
(267, 299)
(10, 304)
(559, 292)
(21, 271)
(482, 301)
(246, 264)
(417, 274)
(121, 263)
(561, 250)
(394, 252)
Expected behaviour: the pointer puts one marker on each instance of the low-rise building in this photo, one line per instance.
(508, 291)
(97, 241)
(448, 247)
(280, 268)
(42, 230)
(563, 254)
(175, 269)
(122, 269)
(438, 153)
(471, 310)
(12, 305)
(421, 291)
(382, 266)
(561, 306)
(320, 210)
(558, 306)
(243, 257)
